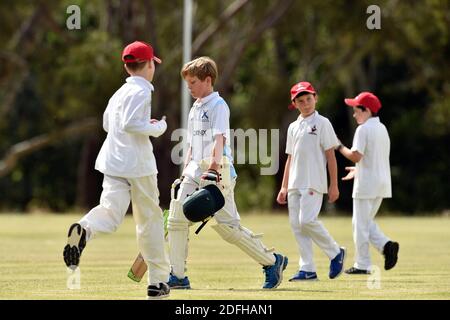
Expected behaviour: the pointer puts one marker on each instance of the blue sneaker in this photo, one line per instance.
(304, 276)
(274, 274)
(175, 283)
(337, 264)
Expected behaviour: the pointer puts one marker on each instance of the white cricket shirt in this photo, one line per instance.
(127, 151)
(307, 140)
(208, 117)
(373, 171)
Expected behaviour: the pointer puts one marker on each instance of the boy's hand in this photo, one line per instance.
(160, 126)
(282, 196)
(351, 173)
(152, 121)
(333, 193)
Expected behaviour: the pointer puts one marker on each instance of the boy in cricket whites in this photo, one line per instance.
(209, 155)
(129, 167)
(310, 147)
(372, 174)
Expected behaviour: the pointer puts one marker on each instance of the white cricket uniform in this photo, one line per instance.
(209, 117)
(307, 140)
(126, 159)
(372, 184)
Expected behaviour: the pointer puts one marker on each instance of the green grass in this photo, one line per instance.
(32, 267)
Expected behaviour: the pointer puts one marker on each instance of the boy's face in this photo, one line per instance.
(197, 87)
(361, 116)
(306, 104)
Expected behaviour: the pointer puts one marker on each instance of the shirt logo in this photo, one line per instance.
(313, 130)
(205, 117)
(199, 132)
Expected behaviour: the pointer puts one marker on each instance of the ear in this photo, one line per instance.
(316, 97)
(126, 69)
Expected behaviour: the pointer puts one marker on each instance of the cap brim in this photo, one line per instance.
(351, 102)
(156, 59)
(297, 93)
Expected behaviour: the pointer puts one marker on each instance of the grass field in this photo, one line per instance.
(32, 267)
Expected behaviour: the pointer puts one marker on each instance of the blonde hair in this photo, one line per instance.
(201, 68)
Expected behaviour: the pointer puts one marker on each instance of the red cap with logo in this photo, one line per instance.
(298, 88)
(365, 99)
(139, 51)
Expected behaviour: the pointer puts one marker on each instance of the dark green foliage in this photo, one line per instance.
(58, 77)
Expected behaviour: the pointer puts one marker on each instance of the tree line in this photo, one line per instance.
(55, 84)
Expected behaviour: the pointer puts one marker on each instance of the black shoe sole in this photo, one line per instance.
(358, 272)
(75, 244)
(391, 255)
(155, 293)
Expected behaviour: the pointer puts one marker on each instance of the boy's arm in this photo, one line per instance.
(217, 152)
(333, 191)
(216, 157)
(353, 156)
(220, 124)
(105, 120)
(282, 195)
(188, 157)
(134, 119)
(106, 116)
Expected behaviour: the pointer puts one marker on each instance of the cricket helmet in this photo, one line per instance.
(203, 203)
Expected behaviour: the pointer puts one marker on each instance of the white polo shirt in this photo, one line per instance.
(373, 171)
(208, 117)
(127, 151)
(307, 140)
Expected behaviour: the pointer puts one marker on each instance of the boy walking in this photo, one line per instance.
(372, 174)
(310, 147)
(209, 154)
(127, 162)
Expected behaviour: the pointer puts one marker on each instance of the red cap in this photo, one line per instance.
(299, 88)
(365, 99)
(140, 51)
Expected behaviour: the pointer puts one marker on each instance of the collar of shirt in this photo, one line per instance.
(208, 98)
(308, 118)
(140, 81)
(373, 119)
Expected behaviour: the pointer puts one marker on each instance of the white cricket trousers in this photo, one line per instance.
(304, 207)
(109, 214)
(366, 231)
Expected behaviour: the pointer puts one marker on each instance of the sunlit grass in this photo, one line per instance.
(32, 267)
